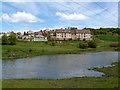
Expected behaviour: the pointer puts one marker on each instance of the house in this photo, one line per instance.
(19, 35)
(52, 35)
(30, 32)
(38, 36)
(67, 34)
(26, 38)
(62, 34)
(83, 34)
(39, 39)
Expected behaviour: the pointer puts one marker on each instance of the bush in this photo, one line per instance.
(9, 40)
(46, 42)
(8, 51)
(83, 45)
(84, 39)
(12, 39)
(4, 39)
(53, 43)
(92, 44)
(30, 50)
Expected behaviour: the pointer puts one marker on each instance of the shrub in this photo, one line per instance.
(83, 45)
(12, 39)
(84, 39)
(4, 39)
(53, 43)
(8, 50)
(30, 50)
(92, 44)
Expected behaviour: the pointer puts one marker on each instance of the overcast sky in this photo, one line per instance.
(18, 15)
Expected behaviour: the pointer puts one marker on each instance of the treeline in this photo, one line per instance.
(105, 31)
(9, 40)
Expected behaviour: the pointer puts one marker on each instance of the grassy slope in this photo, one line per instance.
(108, 38)
(38, 48)
(109, 81)
(29, 49)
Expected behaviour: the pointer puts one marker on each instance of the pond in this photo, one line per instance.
(57, 66)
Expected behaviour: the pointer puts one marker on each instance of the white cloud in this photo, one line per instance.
(21, 17)
(73, 16)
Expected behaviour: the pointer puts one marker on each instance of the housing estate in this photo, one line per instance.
(57, 34)
(31, 36)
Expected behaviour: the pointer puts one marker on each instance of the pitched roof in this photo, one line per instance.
(72, 31)
(63, 31)
(83, 31)
(38, 33)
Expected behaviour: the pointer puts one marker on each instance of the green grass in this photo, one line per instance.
(109, 71)
(30, 49)
(86, 82)
(110, 80)
(0, 84)
(109, 38)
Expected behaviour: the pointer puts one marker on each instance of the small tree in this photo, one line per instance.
(92, 44)
(12, 38)
(4, 39)
(30, 50)
(83, 45)
(72, 28)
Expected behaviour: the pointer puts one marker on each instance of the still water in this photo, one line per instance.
(57, 66)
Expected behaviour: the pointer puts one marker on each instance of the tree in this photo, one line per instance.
(12, 38)
(24, 33)
(47, 34)
(83, 45)
(92, 44)
(4, 39)
(72, 28)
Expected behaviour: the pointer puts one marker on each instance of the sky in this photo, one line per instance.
(24, 15)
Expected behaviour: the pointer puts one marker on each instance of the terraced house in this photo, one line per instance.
(66, 34)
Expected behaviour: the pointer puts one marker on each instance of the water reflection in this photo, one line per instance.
(58, 66)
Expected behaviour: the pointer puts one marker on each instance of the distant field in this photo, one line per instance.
(108, 38)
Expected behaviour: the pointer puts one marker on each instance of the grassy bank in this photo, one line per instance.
(110, 80)
(113, 38)
(30, 49)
